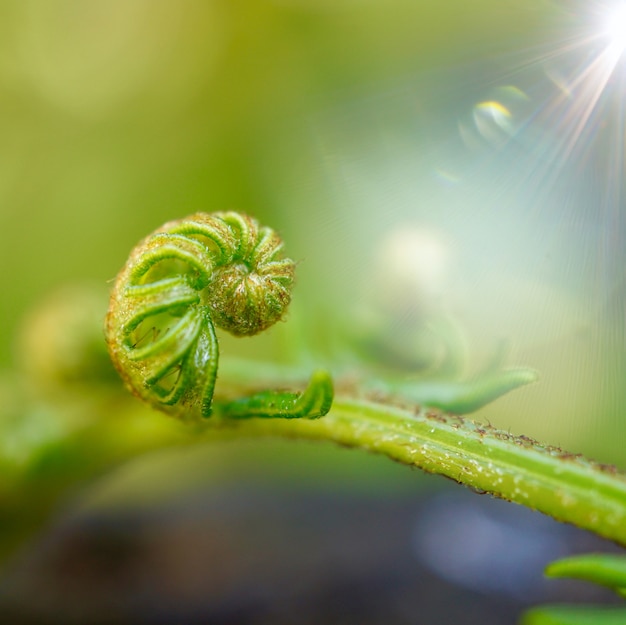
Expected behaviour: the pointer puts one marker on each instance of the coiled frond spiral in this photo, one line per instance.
(180, 282)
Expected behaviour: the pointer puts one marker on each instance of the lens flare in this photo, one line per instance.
(598, 51)
(577, 84)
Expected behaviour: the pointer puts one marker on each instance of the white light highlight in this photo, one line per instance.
(615, 28)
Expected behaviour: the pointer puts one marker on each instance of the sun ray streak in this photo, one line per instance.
(583, 65)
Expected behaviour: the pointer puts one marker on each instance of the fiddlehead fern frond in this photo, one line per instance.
(180, 282)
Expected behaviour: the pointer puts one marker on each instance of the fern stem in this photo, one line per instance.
(566, 486)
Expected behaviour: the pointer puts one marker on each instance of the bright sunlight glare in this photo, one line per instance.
(615, 28)
(586, 67)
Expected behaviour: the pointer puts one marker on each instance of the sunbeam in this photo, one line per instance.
(583, 67)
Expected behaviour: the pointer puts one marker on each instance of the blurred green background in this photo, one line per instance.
(393, 143)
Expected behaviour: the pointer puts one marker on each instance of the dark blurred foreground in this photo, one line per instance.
(267, 556)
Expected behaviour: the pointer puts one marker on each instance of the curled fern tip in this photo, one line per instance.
(189, 276)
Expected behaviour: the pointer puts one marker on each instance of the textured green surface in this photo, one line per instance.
(191, 275)
(566, 486)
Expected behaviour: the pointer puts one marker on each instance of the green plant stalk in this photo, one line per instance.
(565, 486)
(562, 485)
